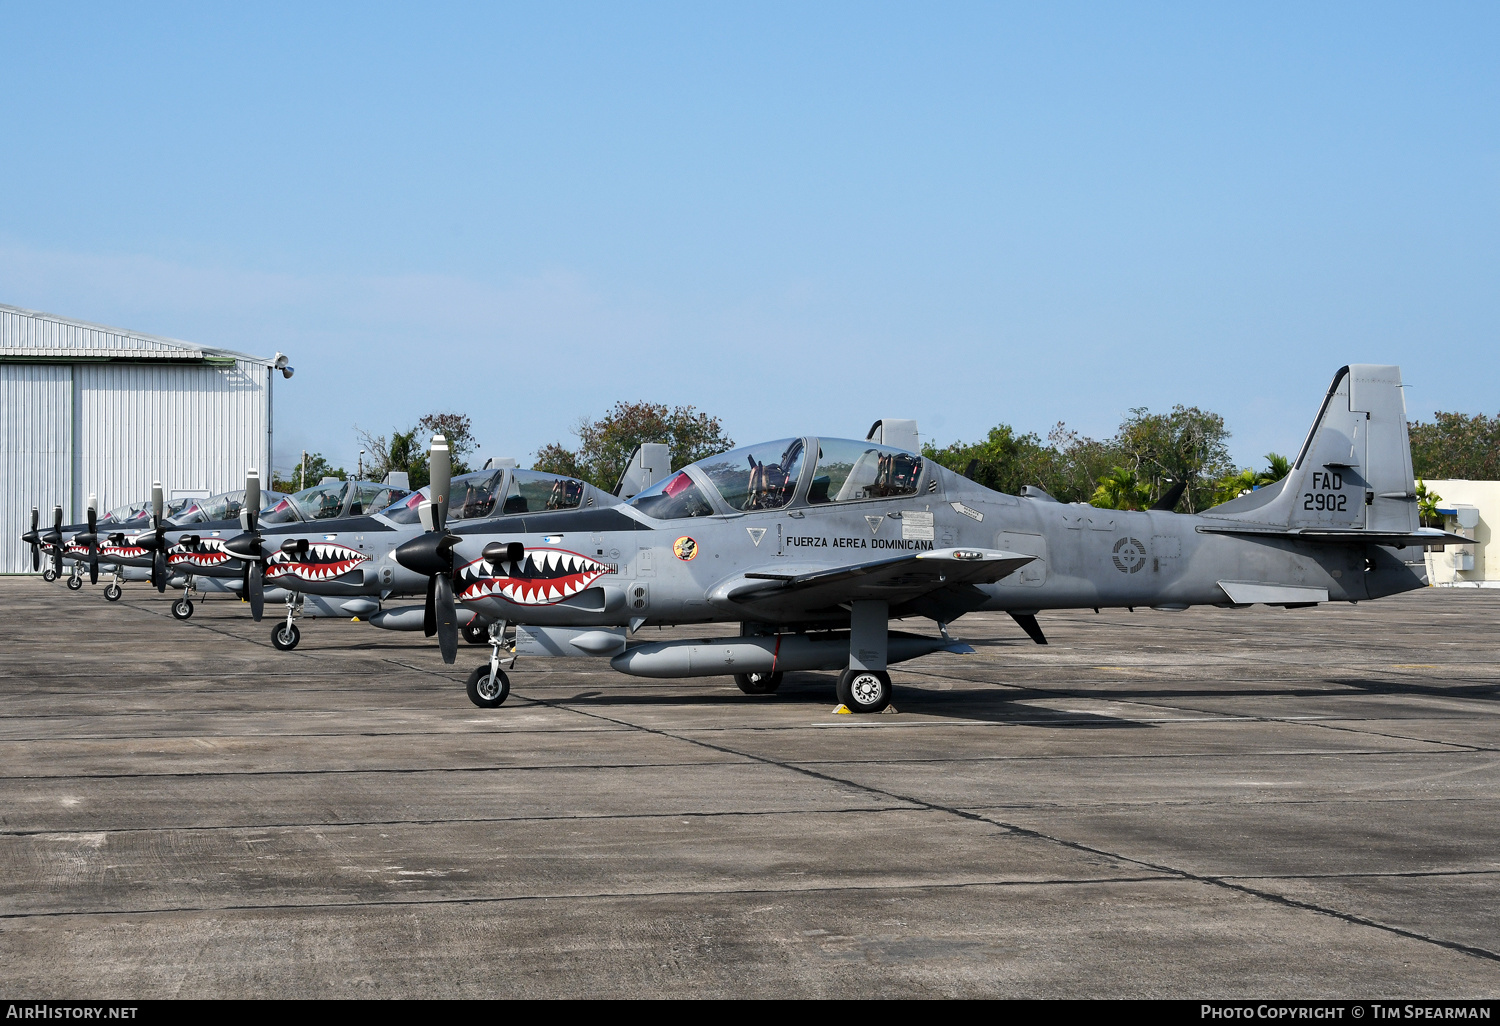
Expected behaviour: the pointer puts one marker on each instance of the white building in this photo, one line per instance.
(1472, 509)
(89, 409)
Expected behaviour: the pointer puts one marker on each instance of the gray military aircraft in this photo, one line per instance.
(812, 545)
(328, 550)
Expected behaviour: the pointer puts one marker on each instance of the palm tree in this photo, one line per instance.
(1278, 467)
(1120, 489)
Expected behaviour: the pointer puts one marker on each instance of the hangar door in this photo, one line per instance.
(36, 433)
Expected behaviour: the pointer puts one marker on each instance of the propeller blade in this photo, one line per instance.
(34, 538)
(158, 502)
(442, 476)
(159, 570)
(252, 499)
(255, 589)
(93, 539)
(447, 619)
(56, 539)
(429, 617)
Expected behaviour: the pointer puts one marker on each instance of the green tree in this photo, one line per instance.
(1121, 489)
(1427, 505)
(605, 444)
(1004, 461)
(1457, 445)
(1187, 444)
(307, 473)
(459, 433)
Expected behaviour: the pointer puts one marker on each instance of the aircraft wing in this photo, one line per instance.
(896, 579)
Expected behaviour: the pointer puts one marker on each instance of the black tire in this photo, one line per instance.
(285, 636)
(485, 693)
(182, 608)
(865, 691)
(74, 583)
(758, 683)
(476, 633)
(49, 575)
(112, 592)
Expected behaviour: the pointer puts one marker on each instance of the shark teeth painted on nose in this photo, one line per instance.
(321, 562)
(544, 578)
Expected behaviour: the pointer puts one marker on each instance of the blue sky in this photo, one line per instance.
(797, 217)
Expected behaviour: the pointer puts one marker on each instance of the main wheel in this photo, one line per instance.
(112, 592)
(758, 683)
(865, 691)
(476, 633)
(486, 691)
(182, 608)
(74, 583)
(285, 636)
(49, 575)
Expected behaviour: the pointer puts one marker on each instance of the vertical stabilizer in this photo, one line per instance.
(1353, 471)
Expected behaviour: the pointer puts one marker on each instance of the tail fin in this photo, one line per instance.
(1353, 472)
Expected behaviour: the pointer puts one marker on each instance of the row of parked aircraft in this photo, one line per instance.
(810, 545)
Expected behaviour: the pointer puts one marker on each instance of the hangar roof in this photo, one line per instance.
(27, 336)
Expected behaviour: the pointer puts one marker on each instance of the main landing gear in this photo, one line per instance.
(865, 687)
(488, 686)
(284, 636)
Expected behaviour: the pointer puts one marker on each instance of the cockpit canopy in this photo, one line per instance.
(775, 474)
(226, 506)
(331, 500)
(477, 495)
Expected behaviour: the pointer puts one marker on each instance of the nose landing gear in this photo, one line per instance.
(488, 686)
(284, 636)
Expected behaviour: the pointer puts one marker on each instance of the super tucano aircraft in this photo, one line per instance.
(328, 550)
(812, 545)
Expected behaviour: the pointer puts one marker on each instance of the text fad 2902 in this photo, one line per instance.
(1327, 493)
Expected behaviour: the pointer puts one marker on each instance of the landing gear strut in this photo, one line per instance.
(112, 590)
(284, 636)
(75, 579)
(488, 686)
(865, 687)
(183, 607)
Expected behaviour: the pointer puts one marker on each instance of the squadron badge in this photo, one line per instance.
(684, 548)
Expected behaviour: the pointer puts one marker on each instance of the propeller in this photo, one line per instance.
(431, 555)
(91, 539)
(158, 542)
(34, 539)
(247, 546)
(54, 539)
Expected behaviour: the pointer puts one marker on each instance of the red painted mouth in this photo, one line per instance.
(123, 551)
(544, 578)
(210, 552)
(321, 562)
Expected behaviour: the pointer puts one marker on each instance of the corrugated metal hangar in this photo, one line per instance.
(89, 409)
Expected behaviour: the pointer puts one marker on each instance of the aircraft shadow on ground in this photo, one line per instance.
(815, 692)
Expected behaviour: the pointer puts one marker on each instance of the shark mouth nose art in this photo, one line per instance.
(123, 551)
(321, 562)
(210, 552)
(545, 577)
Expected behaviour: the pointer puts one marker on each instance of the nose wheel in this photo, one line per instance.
(285, 636)
(112, 592)
(182, 608)
(488, 687)
(75, 582)
(49, 575)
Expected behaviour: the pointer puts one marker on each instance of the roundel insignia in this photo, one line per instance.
(684, 548)
(1130, 555)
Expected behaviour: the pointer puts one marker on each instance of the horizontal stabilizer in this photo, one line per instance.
(1395, 539)
(1243, 593)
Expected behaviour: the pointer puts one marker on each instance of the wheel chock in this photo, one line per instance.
(889, 710)
(842, 710)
